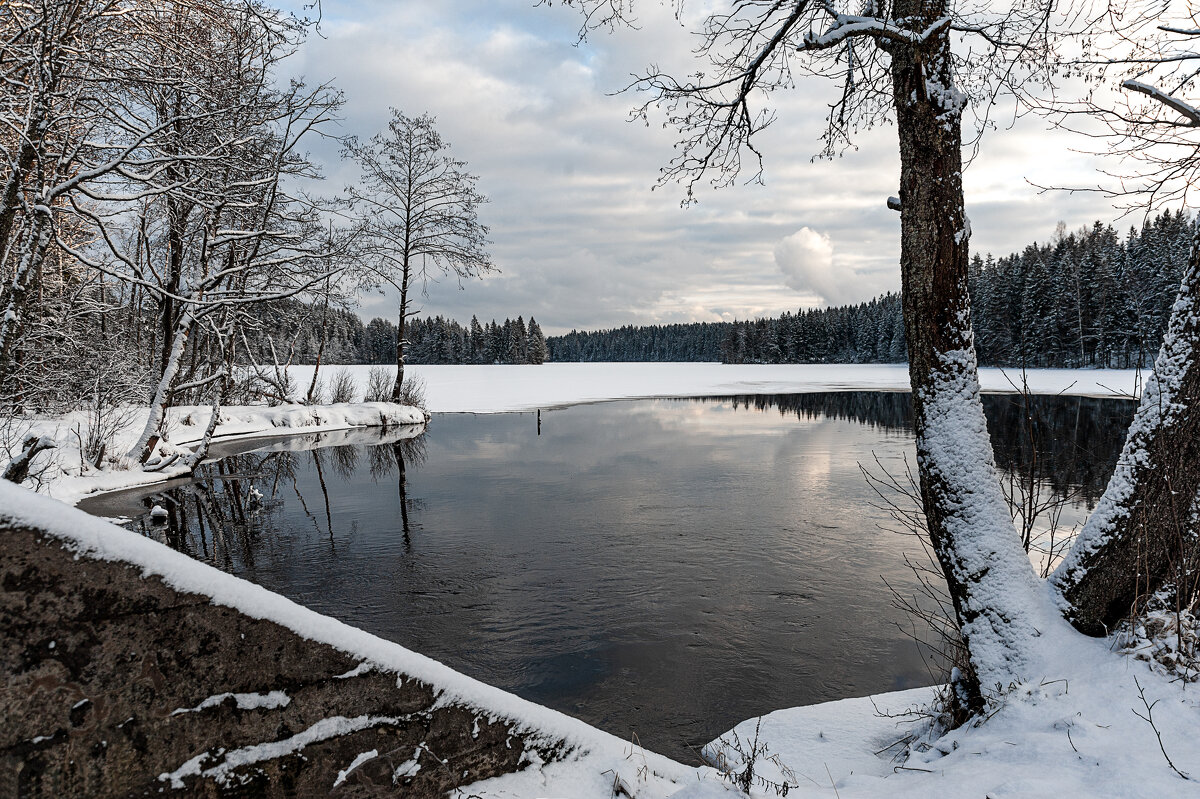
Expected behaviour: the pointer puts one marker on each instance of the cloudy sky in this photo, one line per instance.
(580, 238)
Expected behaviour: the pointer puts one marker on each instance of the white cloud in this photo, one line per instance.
(806, 259)
(580, 237)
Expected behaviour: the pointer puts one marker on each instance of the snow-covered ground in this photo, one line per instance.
(493, 389)
(69, 479)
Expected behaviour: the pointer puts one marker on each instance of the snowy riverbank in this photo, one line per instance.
(498, 389)
(1078, 730)
(69, 479)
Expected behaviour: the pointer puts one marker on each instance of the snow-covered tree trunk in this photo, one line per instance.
(141, 450)
(18, 172)
(401, 333)
(36, 242)
(991, 582)
(1141, 533)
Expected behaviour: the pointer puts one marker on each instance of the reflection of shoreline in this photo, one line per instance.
(127, 502)
(300, 442)
(1077, 438)
(222, 515)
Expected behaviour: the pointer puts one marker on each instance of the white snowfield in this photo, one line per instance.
(495, 389)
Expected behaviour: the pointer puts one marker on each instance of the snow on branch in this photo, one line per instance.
(1180, 31)
(846, 26)
(1186, 110)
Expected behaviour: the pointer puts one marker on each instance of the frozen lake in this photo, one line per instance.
(664, 568)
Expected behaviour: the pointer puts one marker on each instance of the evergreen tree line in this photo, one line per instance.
(696, 341)
(1085, 299)
(291, 331)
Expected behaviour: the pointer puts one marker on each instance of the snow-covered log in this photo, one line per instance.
(18, 468)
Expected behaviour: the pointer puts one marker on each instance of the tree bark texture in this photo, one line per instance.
(990, 580)
(401, 342)
(141, 451)
(1142, 533)
(38, 236)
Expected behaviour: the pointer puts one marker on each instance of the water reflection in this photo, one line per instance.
(229, 511)
(1072, 443)
(666, 568)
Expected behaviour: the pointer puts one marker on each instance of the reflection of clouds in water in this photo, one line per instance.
(630, 544)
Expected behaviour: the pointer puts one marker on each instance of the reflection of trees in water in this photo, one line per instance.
(221, 517)
(399, 456)
(226, 515)
(1076, 440)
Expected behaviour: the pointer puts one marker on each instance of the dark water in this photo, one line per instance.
(666, 568)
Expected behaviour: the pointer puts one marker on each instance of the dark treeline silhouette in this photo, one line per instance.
(1085, 299)
(696, 341)
(291, 331)
(870, 332)
(1072, 443)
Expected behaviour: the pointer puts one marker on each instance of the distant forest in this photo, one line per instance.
(1088, 298)
(291, 332)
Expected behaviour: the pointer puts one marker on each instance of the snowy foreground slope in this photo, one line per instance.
(1074, 732)
(495, 389)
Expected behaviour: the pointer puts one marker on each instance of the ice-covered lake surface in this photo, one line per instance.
(659, 568)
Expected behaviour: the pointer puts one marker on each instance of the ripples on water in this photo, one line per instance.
(666, 568)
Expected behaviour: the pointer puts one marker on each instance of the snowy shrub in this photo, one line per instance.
(412, 392)
(273, 385)
(316, 392)
(750, 765)
(341, 387)
(379, 384)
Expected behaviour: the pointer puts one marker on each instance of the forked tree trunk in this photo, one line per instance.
(1142, 533)
(991, 582)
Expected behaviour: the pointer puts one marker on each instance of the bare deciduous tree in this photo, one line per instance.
(420, 214)
(221, 226)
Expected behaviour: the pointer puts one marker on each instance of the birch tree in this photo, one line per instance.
(419, 209)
